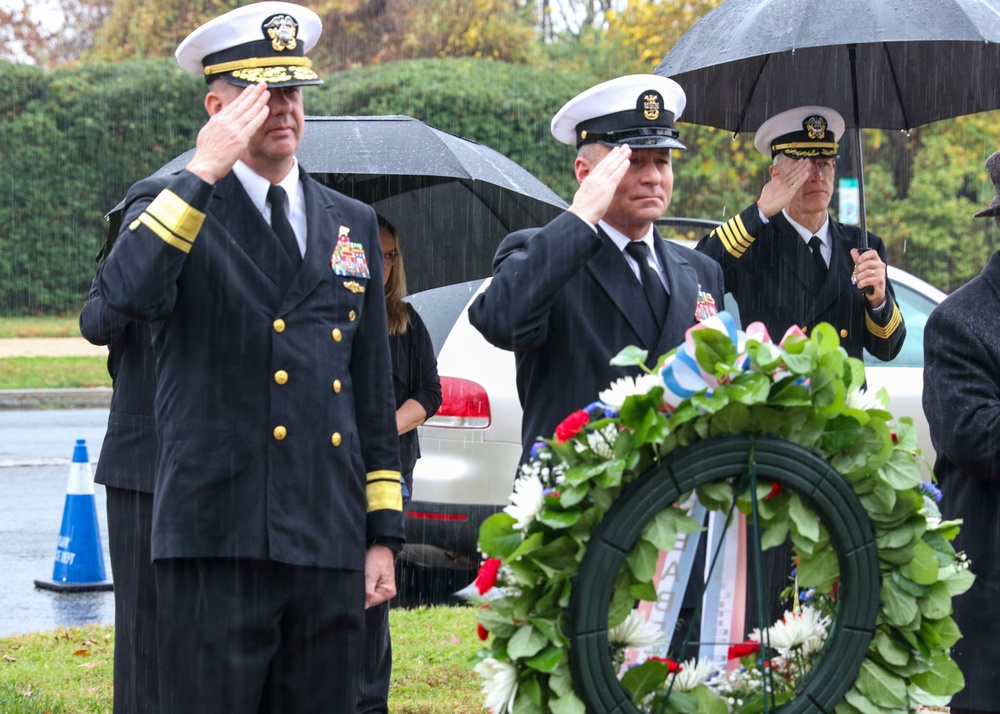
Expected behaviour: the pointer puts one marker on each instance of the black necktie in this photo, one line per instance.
(656, 294)
(280, 224)
(815, 245)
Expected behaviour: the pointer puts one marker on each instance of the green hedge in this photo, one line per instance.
(76, 138)
(79, 137)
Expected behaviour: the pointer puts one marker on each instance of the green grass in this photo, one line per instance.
(53, 372)
(69, 670)
(67, 326)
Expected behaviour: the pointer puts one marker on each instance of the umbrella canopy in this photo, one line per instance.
(451, 199)
(918, 61)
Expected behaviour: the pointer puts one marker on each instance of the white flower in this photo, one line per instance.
(499, 685)
(864, 400)
(635, 631)
(526, 500)
(692, 673)
(624, 387)
(602, 442)
(805, 629)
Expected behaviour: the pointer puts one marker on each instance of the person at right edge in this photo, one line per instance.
(786, 262)
(961, 401)
(417, 389)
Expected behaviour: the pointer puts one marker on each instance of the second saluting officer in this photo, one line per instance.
(567, 297)
(278, 504)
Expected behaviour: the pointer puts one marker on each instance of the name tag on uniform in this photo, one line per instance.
(349, 258)
(704, 307)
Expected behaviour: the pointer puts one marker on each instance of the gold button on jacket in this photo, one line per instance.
(336, 386)
(281, 376)
(335, 439)
(337, 334)
(280, 432)
(843, 332)
(279, 325)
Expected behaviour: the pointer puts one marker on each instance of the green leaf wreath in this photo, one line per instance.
(805, 390)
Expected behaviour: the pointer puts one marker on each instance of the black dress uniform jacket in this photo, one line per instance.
(564, 298)
(962, 403)
(768, 269)
(274, 399)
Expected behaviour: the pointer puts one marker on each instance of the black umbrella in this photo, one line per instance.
(882, 64)
(451, 199)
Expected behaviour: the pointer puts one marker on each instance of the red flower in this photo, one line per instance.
(895, 439)
(671, 665)
(571, 425)
(775, 490)
(487, 576)
(481, 631)
(739, 651)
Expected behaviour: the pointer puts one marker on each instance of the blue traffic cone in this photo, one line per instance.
(79, 556)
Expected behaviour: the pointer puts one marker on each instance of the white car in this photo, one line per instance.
(471, 447)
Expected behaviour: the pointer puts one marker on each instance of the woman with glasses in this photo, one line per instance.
(418, 396)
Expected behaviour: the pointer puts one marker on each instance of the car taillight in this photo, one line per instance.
(464, 405)
(424, 515)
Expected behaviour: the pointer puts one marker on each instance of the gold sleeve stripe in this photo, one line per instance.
(174, 214)
(383, 476)
(884, 332)
(384, 495)
(734, 236)
(162, 232)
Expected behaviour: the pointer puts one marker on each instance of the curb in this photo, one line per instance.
(83, 398)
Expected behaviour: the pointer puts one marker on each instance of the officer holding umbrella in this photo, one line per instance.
(788, 263)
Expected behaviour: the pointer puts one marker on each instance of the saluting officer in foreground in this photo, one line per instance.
(787, 263)
(278, 504)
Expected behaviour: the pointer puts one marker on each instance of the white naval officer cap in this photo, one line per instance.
(260, 42)
(810, 132)
(638, 110)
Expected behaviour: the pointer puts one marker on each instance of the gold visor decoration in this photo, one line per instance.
(282, 63)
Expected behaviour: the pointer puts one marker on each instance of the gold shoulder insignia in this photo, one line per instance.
(354, 286)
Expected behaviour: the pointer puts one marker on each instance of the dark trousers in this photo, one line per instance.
(130, 520)
(776, 569)
(258, 637)
(376, 663)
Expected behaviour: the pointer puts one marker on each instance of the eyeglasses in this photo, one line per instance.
(390, 257)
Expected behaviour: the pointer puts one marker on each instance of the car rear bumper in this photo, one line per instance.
(442, 535)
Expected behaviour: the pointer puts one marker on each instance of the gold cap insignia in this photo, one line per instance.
(815, 126)
(651, 106)
(354, 286)
(281, 30)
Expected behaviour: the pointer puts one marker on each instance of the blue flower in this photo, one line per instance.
(931, 491)
(600, 410)
(538, 448)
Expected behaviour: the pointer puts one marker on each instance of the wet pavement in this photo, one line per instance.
(36, 447)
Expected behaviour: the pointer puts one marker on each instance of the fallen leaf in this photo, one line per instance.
(82, 653)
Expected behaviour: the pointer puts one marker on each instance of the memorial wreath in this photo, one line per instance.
(722, 381)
